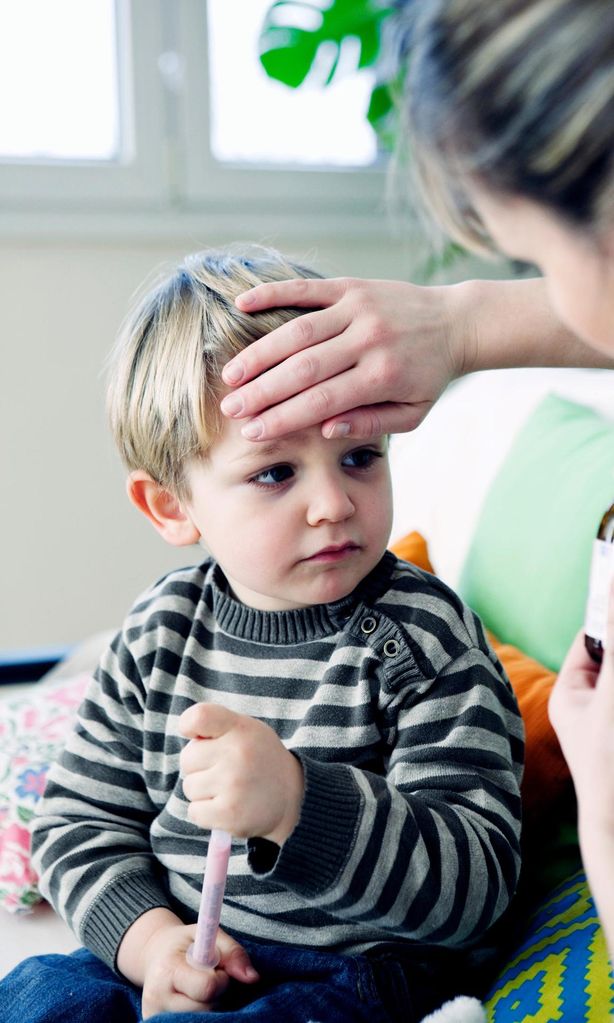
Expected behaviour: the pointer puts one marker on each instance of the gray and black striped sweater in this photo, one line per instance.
(411, 743)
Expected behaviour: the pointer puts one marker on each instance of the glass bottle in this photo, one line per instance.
(602, 570)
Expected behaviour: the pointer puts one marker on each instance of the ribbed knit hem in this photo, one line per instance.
(116, 908)
(313, 858)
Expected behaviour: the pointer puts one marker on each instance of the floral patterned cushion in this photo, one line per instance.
(33, 729)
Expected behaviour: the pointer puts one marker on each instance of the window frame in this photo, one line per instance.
(32, 184)
(173, 182)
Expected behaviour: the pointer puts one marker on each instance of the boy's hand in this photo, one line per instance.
(238, 775)
(172, 985)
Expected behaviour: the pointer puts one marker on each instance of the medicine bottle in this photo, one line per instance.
(602, 571)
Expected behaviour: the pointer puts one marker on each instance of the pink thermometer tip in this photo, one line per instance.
(203, 953)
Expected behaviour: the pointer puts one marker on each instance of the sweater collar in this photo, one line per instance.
(297, 626)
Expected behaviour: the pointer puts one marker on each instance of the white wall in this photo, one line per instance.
(74, 552)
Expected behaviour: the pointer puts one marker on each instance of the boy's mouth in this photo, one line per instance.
(335, 552)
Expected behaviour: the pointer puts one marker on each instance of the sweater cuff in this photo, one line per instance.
(117, 907)
(313, 857)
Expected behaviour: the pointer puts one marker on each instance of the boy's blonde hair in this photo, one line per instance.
(165, 379)
(516, 95)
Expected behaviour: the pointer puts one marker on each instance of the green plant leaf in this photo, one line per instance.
(380, 104)
(292, 35)
(440, 261)
(289, 51)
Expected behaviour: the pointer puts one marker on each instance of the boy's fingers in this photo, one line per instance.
(235, 960)
(176, 1002)
(202, 986)
(196, 784)
(206, 721)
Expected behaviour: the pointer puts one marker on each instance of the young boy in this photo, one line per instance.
(338, 711)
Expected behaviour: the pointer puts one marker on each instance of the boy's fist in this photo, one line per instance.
(172, 985)
(238, 775)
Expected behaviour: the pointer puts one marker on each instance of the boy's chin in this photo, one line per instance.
(331, 588)
(306, 596)
(323, 587)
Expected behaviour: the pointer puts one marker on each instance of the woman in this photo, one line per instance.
(510, 110)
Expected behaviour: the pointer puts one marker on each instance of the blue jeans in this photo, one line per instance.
(296, 986)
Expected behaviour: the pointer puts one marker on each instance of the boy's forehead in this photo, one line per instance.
(236, 448)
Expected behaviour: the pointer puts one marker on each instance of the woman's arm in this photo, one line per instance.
(376, 355)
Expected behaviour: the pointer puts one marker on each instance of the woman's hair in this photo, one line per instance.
(518, 96)
(165, 371)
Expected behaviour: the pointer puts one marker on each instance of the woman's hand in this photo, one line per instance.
(172, 985)
(373, 358)
(581, 709)
(582, 713)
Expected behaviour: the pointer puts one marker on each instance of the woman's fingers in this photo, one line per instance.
(311, 406)
(370, 420)
(295, 336)
(578, 664)
(301, 292)
(339, 404)
(297, 373)
(608, 646)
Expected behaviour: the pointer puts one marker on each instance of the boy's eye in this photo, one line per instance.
(273, 477)
(361, 458)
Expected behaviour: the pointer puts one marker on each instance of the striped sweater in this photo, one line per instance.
(407, 730)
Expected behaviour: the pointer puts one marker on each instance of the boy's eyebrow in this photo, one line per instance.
(257, 452)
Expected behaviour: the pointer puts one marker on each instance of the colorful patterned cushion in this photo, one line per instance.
(33, 730)
(561, 972)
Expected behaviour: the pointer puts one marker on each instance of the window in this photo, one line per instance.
(260, 121)
(153, 108)
(45, 49)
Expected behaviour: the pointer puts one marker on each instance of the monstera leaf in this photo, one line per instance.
(309, 38)
(295, 30)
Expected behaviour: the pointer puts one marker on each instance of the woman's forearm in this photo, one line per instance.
(504, 324)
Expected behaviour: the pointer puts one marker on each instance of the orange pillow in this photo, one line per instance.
(546, 775)
(413, 548)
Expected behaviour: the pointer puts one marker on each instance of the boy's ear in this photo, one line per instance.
(165, 511)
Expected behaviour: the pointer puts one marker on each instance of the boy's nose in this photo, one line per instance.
(329, 502)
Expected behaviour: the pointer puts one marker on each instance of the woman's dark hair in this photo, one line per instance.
(517, 95)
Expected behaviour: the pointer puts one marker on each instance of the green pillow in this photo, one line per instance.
(526, 572)
(561, 970)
